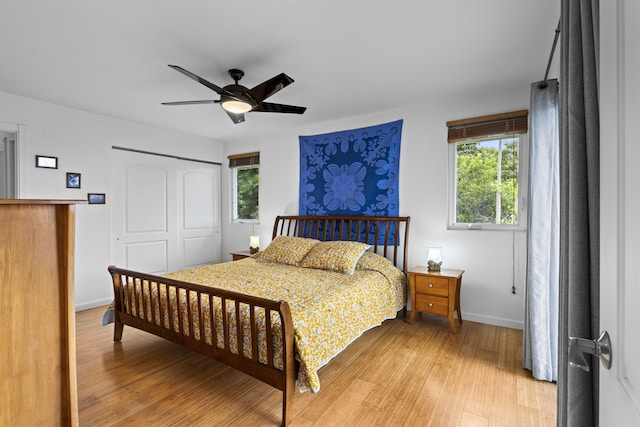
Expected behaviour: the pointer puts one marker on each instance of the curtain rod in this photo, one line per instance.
(543, 84)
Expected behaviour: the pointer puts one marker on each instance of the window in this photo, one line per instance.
(245, 178)
(488, 171)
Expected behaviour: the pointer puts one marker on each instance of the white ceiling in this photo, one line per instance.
(347, 57)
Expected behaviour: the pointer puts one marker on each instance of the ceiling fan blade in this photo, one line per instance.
(269, 107)
(235, 118)
(207, 83)
(269, 87)
(206, 101)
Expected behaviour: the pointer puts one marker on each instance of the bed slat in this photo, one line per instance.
(269, 337)
(239, 329)
(225, 325)
(254, 333)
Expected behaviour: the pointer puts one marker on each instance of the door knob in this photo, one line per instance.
(601, 347)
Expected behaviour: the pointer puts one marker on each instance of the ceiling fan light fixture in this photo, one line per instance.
(236, 107)
(236, 100)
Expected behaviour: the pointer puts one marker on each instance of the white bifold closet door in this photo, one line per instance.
(165, 212)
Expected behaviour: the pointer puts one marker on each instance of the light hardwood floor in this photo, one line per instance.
(394, 375)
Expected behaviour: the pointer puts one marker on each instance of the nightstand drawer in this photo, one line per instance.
(432, 304)
(432, 285)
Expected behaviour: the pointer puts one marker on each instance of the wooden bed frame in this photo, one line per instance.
(391, 242)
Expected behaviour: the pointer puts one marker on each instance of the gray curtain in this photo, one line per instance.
(540, 346)
(579, 207)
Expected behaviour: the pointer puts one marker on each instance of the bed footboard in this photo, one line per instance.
(206, 320)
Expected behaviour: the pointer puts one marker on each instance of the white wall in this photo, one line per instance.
(487, 256)
(82, 142)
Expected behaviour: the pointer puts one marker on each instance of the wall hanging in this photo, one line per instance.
(351, 172)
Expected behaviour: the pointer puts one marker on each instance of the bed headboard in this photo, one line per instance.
(387, 235)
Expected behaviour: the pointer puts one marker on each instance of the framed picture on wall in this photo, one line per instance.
(73, 180)
(48, 162)
(96, 198)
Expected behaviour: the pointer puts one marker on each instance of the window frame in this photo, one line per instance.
(523, 187)
(242, 162)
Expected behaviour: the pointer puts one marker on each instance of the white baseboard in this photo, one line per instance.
(93, 304)
(496, 321)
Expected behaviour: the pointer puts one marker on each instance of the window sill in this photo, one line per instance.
(489, 227)
(246, 221)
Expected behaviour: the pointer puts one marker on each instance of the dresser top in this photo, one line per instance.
(40, 202)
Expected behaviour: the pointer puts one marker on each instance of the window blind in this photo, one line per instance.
(488, 126)
(247, 159)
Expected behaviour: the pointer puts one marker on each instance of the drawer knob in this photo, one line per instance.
(431, 285)
(430, 304)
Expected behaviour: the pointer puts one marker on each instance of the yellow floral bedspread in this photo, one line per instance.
(329, 309)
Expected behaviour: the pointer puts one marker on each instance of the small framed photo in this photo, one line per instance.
(73, 180)
(96, 198)
(46, 162)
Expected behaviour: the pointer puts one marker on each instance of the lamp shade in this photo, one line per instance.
(434, 258)
(254, 244)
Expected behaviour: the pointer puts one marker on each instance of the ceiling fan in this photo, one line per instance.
(236, 99)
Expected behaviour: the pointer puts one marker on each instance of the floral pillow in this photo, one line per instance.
(287, 250)
(375, 262)
(337, 256)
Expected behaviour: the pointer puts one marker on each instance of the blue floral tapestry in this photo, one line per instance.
(351, 172)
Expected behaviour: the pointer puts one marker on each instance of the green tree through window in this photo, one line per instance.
(245, 183)
(247, 179)
(487, 181)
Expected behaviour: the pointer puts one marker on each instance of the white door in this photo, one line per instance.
(199, 213)
(165, 212)
(620, 210)
(9, 160)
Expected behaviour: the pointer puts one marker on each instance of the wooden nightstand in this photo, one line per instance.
(235, 256)
(436, 292)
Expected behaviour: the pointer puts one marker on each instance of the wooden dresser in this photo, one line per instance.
(38, 359)
(436, 292)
